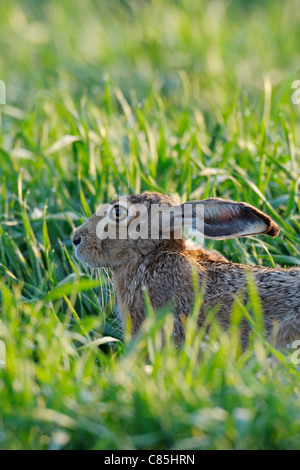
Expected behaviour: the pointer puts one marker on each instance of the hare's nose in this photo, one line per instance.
(76, 240)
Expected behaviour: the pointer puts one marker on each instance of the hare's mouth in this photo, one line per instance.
(89, 256)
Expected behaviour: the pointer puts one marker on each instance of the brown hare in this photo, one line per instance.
(162, 264)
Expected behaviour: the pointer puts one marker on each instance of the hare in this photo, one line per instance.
(163, 265)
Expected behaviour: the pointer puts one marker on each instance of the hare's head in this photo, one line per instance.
(119, 232)
(131, 227)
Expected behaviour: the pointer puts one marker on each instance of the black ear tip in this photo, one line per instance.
(273, 230)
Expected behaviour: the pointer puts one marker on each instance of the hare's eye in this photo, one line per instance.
(117, 213)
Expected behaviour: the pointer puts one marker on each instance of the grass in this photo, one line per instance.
(109, 98)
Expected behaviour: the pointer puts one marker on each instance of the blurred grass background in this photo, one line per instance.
(191, 98)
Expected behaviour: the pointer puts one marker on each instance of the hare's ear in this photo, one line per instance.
(223, 219)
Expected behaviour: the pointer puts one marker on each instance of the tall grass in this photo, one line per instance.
(110, 98)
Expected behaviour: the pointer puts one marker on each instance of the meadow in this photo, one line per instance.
(190, 98)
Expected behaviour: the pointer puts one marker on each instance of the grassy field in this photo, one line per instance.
(191, 98)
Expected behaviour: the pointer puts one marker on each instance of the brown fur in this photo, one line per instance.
(163, 267)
